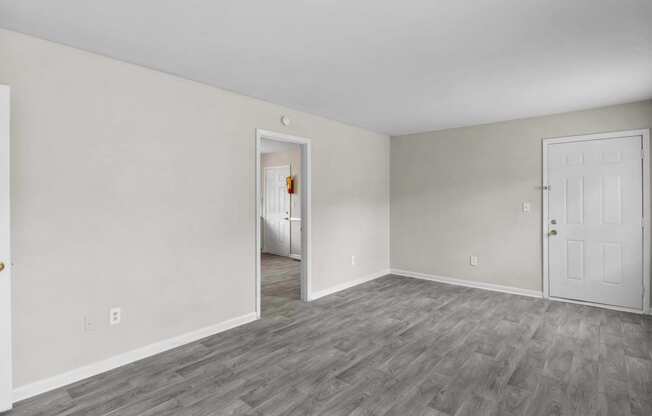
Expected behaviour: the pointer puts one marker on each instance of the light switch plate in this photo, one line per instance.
(473, 260)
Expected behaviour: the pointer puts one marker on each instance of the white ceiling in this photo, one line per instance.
(389, 66)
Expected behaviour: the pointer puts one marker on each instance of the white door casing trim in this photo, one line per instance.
(306, 211)
(6, 356)
(645, 140)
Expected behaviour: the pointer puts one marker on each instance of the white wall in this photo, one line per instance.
(459, 192)
(134, 188)
(292, 158)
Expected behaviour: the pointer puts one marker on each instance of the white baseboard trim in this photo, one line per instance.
(42, 386)
(343, 286)
(295, 256)
(469, 283)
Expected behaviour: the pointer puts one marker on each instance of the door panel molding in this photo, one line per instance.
(608, 158)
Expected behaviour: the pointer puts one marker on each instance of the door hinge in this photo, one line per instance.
(546, 187)
(643, 223)
(642, 153)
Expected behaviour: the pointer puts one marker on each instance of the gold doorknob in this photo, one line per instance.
(2, 266)
(552, 232)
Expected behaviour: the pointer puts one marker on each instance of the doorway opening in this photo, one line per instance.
(282, 222)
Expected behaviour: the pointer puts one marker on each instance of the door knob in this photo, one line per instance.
(552, 232)
(2, 266)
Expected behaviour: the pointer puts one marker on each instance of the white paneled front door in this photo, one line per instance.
(595, 231)
(276, 224)
(5, 257)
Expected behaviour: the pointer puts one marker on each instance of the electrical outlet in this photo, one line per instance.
(115, 316)
(88, 324)
(473, 260)
(352, 260)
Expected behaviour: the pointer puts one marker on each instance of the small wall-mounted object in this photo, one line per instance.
(289, 181)
(115, 316)
(285, 120)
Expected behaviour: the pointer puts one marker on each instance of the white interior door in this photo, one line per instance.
(276, 231)
(5, 258)
(595, 229)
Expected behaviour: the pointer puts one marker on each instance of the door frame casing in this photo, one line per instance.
(306, 211)
(645, 141)
(263, 191)
(6, 299)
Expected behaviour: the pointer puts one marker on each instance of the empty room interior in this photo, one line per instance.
(428, 208)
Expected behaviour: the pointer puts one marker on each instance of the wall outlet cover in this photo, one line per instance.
(115, 316)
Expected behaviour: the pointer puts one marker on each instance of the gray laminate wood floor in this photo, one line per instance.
(393, 346)
(280, 280)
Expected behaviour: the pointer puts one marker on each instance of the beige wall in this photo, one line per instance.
(459, 192)
(134, 188)
(293, 159)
